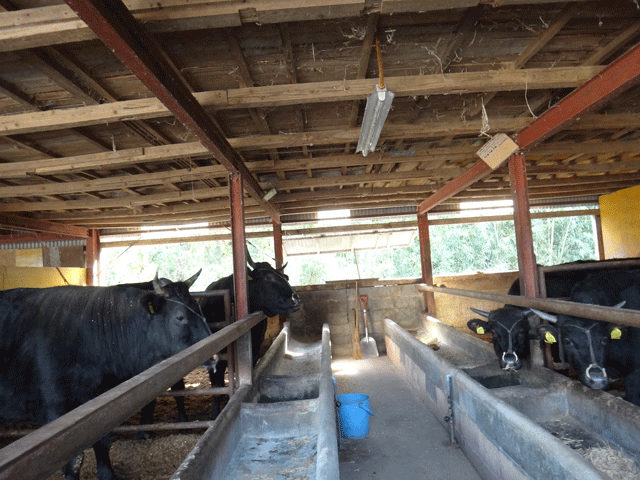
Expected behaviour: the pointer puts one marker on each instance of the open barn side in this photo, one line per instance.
(336, 304)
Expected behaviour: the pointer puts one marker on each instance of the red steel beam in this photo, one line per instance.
(26, 224)
(614, 79)
(470, 176)
(240, 290)
(618, 76)
(522, 223)
(112, 22)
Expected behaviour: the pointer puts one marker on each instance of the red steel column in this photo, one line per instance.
(277, 244)
(522, 223)
(425, 262)
(240, 276)
(93, 257)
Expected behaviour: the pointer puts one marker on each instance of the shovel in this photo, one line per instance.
(369, 347)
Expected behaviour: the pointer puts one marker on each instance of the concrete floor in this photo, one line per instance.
(405, 441)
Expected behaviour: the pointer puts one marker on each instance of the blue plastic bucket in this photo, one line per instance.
(353, 413)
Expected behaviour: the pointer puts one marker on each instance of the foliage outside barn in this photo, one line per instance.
(456, 249)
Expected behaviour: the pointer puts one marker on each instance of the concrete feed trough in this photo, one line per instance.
(282, 427)
(529, 424)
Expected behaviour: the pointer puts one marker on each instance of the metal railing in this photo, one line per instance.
(595, 312)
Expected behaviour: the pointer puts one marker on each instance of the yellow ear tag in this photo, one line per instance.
(480, 331)
(151, 308)
(616, 334)
(549, 338)
(249, 277)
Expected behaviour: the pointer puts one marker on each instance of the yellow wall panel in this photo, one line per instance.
(620, 215)
(28, 277)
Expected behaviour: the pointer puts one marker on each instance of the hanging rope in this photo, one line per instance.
(380, 69)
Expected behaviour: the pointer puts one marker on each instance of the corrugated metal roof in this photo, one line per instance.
(47, 244)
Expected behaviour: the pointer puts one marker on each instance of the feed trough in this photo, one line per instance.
(529, 424)
(283, 426)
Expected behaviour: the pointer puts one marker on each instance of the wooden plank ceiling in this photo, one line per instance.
(84, 143)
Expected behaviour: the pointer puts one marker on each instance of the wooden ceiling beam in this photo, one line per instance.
(121, 32)
(38, 27)
(617, 77)
(305, 93)
(25, 224)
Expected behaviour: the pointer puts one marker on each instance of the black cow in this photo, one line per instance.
(599, 351)
(510, 326)
(63, 346)
(269, 291)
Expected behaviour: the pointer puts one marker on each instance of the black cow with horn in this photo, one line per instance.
(599, 351)
(509, 325)
(63, 346)
(268, 290)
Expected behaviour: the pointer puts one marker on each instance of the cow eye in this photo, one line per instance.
(567, 341)
(605, 340)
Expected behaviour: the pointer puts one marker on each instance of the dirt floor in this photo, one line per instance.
(157, 457)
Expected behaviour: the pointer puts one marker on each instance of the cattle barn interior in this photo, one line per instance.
(208, 115)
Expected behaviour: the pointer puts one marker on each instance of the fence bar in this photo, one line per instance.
(45, 450)
(596, 312)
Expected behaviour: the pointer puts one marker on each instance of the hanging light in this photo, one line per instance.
(376, 111)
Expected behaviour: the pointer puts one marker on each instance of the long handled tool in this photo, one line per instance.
(369, 347)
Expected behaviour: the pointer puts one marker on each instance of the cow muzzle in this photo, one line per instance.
(510, 361)
(596, 376)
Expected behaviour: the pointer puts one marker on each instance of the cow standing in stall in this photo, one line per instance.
(599, 351)
(62, 346)
(269, 291)
(509, 325)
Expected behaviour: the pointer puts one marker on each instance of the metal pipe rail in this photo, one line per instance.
(44, 451)
(595, 312)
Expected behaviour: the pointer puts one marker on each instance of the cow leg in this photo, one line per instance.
(71, 471)
(217, 380)
(103, 463)
(182, 412)
(146, 418)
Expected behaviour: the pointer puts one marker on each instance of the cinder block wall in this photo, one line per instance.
(336, 304)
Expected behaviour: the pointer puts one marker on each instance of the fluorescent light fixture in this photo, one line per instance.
(375, 114)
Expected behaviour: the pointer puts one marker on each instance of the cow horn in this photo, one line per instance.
(546, 316)
(620, 305)
(249, 260)
(281, 269)
(480, 312)
(157, 286)
(193, 279)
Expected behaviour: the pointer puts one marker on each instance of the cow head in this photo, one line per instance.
(510, 329)
(270, 291)
(583, 343)
(176, 321)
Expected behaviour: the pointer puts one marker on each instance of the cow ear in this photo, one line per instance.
(478, 326)
(152, 303)
(549, 333)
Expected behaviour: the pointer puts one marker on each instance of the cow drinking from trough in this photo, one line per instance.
(63, 346)
(596, 350)
(509, 325)
(269, 291)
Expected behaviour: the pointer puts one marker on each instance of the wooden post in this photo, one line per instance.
(93, 257)
(245, 361)
(425, 262)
